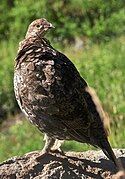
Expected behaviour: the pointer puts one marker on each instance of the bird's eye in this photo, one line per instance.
(37, 25)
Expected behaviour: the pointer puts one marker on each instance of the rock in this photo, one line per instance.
(90, 164)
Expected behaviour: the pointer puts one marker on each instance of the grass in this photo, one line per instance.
(7, 56)
(103, 68)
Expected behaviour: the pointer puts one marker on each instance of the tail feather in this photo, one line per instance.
(106, 148)
(102, 118)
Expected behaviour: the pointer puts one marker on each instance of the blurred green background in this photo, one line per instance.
(92, 35)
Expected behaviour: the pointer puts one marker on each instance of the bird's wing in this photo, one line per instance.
(79, 107)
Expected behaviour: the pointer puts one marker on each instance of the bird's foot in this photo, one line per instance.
(56, 147)
(44, 152)
(51, 146)
(57, 151)
(51, 151)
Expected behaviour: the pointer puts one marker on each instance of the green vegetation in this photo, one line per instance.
(101, 65)
(7, 98)
(98, 20)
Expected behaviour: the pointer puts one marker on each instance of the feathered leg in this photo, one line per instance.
(51, 144)
(48, 144)
(57, 145)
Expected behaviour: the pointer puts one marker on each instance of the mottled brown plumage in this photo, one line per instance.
(53, 96)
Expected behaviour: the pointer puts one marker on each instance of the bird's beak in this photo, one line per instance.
(50, 26)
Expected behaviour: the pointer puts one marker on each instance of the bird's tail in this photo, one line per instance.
(102, 143)
(106, 148)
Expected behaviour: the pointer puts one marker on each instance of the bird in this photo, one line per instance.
(54, 97)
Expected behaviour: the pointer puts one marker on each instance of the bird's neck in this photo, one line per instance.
(35, 40)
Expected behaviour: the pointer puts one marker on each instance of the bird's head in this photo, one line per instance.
(39, 28)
